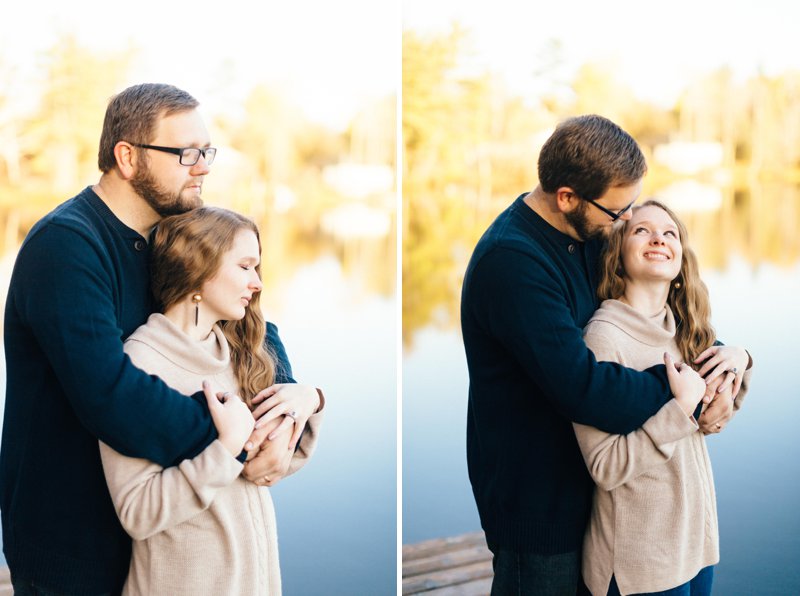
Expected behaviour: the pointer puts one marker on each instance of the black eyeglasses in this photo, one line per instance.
(614, 215)
(188, 155)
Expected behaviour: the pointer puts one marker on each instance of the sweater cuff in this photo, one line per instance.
(242, 457)
(670, 424)
(321, 400)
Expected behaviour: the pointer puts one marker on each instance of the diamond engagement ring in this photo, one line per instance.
(292, 414)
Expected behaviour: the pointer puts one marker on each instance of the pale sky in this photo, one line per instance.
(656, 47)
(331, 58)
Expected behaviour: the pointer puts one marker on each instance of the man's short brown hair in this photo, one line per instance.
(133, 113)
(589, 154)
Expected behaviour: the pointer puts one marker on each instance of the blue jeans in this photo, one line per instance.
(24, 587)
(522, 574)
(699, 585)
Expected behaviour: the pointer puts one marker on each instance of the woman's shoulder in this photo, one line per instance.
(144, 345)
(608, 319)
(606, 332)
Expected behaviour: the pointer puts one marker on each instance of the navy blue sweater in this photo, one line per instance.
(80, 286)
(528, 292)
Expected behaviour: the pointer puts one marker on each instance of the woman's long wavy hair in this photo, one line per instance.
(688, 298)
(186, 252)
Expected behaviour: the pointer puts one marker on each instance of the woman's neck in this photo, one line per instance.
(648, 298)
(182, 315)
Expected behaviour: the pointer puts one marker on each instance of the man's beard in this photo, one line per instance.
(580, 223)
(161, 201)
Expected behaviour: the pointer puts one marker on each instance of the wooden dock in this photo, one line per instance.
(5, 582)
(458, 566)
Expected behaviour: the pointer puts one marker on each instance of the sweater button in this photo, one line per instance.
(139, 245)
(571, 249)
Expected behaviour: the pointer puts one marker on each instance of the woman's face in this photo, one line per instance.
(227, 295)
(651, 246)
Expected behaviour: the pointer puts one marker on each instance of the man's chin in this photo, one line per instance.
(603, 232)
(190, 203)
(600, 233)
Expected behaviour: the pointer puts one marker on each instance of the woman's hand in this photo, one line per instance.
(232, 418)
(296, 402)
(686, 385)
(728, 361)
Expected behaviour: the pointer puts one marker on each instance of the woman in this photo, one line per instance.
(199, 528)
(654, 520)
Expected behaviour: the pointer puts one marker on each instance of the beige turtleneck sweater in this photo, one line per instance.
(654, 515)
(198, 528)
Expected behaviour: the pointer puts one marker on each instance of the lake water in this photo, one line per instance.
(756, 459)
(337, 516)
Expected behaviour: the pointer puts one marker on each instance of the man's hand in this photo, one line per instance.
(269, 461)
(259, 436)
(720, 411)
(296, 403)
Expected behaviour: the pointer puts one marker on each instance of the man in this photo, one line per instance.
(80, 286)
(528, 291)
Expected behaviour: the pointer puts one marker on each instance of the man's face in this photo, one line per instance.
(590, 222)
(160, 179)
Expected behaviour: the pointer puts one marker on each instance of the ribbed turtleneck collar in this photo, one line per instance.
(652, 331)
(210, 355)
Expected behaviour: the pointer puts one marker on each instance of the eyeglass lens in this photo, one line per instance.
(191, 155)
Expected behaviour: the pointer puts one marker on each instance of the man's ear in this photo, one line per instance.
(126, 159)
(566, 199)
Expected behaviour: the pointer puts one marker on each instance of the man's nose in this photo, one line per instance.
(201, 168)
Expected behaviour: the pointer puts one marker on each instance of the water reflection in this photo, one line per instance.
(756, 218)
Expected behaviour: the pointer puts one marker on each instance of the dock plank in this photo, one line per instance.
(438, 545)
(5, 582)
(445, 560)
(453, 566)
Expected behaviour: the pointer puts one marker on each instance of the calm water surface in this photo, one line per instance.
(337, 516)
(756, 459)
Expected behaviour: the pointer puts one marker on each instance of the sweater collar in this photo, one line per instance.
(652, 331)
(210, 355)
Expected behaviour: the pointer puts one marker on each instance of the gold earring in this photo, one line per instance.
(197, 299)
(677, 285)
